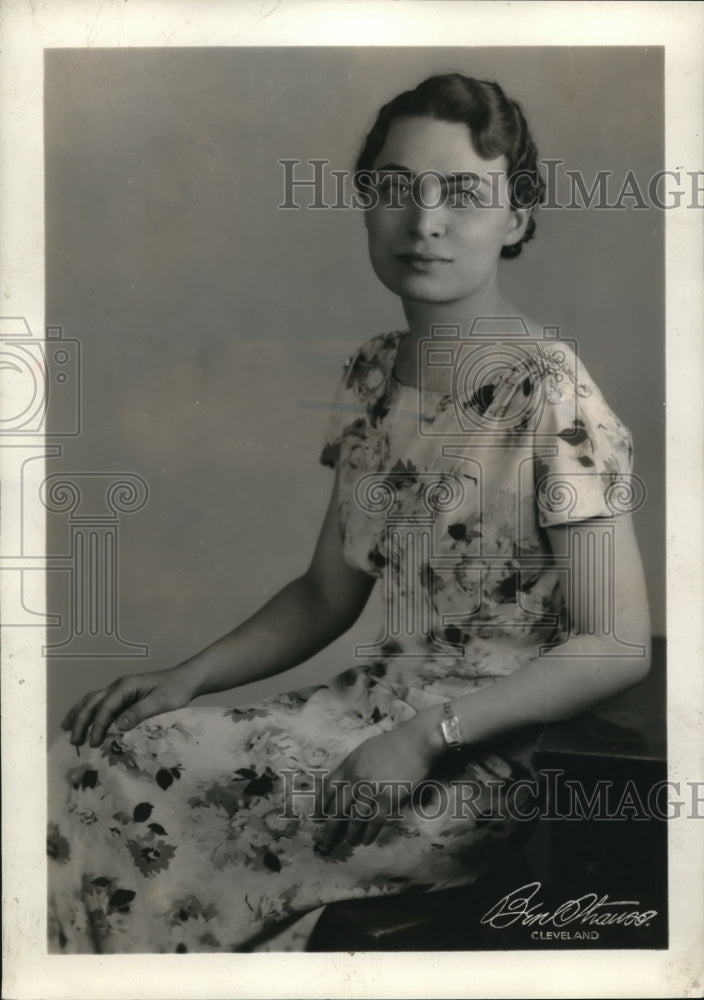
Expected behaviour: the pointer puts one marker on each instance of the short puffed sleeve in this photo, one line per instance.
(360, 399)
(583, 453)
(346, 407)
(338, 418)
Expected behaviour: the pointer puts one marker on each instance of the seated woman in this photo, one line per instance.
(471, 467)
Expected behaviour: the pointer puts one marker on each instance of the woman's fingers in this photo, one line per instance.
(369, 816)
(122, 695)
(355, 810)
(336, 806)
(359, 826)
(355, 832)
(328, 801)
(81, 716)
(70, 716)
(128, 700)
(354, 822)
(372, 831)
(112, 703)
(334, 831)
(141, 710)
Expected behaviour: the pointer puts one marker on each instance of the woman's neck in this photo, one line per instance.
(423, 317)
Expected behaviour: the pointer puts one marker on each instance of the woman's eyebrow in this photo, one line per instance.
(390, 168)
(456, 177)
(462, 176)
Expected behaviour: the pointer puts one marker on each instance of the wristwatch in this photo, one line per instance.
(450, 727)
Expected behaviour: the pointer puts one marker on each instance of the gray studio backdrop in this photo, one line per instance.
(213, 324)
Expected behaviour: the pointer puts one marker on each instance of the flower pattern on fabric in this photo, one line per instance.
(193, 831)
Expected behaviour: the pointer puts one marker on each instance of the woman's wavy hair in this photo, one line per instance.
(496, 124)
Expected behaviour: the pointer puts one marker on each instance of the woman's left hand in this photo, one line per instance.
(373, 782)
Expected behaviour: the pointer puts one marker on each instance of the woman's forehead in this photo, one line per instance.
(419, 144)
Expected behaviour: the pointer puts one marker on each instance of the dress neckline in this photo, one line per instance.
(415, 388)
(404, 385)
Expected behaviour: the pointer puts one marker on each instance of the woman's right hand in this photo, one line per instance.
(127, 702)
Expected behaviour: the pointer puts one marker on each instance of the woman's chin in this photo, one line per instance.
(419, 288)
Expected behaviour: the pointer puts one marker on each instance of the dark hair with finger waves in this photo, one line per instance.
(496, 125)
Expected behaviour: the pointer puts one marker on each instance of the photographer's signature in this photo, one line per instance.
(585, 913)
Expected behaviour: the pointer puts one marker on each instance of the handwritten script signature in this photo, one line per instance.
(521, 907)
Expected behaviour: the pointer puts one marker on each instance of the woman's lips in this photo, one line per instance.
(423, 261)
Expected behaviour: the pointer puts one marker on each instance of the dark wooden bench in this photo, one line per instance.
(621, 742)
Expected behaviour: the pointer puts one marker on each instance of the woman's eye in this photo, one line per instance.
(395, 190)
(464, 198)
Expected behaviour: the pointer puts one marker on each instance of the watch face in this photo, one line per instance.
(451, 732)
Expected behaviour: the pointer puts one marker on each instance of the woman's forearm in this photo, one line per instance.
(561, 684)
(294, 625)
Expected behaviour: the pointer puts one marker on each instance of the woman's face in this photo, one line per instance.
(450, 252)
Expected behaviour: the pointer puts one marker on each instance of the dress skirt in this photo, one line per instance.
(196, 831)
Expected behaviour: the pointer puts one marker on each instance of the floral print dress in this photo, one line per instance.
(192, 832)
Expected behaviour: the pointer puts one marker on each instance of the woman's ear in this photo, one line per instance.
(516, 227)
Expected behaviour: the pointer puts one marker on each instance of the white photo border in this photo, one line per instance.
(26, 29)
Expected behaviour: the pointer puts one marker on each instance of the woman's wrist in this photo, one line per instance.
(215, 668)
(427, 725)
(191, 676)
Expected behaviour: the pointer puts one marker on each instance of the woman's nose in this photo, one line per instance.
(426, 222)
(426, 213)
